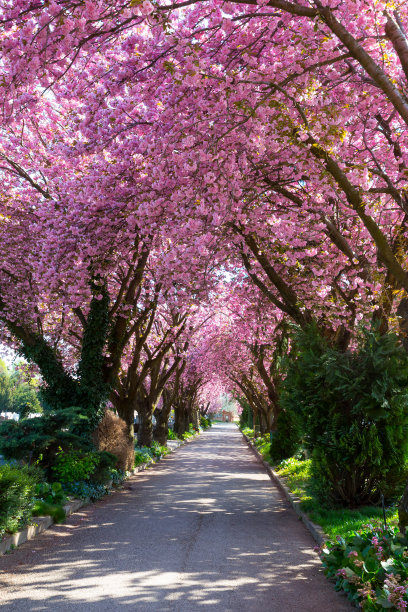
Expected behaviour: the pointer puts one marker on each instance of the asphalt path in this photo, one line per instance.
(204, 530)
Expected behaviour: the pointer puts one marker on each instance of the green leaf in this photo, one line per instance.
(384, 603)
(371, 566)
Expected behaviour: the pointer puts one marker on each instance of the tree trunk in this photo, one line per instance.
(263, 427)
(162, 429)
(180, 420)
(145, 432)
(126, 411)
(192, 417)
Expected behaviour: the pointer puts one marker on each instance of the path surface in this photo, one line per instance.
(205, 530)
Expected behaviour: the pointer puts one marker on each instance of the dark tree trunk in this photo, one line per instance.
(145, 432)
(126, 411)
(180, 420)
(196, 417)
(161, 429)
(192, 417)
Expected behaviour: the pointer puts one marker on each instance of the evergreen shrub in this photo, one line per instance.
(353, 408)
(17, 493)
(38, 439)
(287, 437)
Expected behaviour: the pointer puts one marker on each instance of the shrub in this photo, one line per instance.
(205, 422)
(106, 465)
(117, 477)
(38, 439)
(246, 416)
(112, 436)
(17, 492)
(171, 435)
(73, 465)
(371, 567)
(353, 408)
(286, 439)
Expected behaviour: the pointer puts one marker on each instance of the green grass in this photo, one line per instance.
(334, 521)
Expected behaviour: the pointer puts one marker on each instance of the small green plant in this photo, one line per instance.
(50, 493)
(248, 432)
(143, 455)
(86, 490)
(42, 508)
(172, 435)
(117, 477)
(158, 450)
(187, 435)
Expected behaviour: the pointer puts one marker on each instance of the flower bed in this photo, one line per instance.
(371, 566)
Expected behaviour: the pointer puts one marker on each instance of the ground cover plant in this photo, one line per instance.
(371, 566)
(335, 520)
(50, 500)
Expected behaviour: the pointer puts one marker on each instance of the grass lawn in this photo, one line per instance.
(334, 521)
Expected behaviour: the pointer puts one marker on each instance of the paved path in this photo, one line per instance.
(205, 530)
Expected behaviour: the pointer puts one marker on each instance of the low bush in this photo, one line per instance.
(205, 422)
(143, 454)
(17, 494)
(42, 508)
(39, 439)
(74, 466)
(248, 432)
(187, 435)
(112, 436)
(171, 435)
(158, 450)
(371, 566)
(86, 490)
(117, 477)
